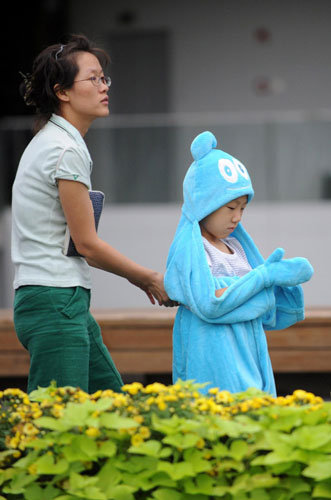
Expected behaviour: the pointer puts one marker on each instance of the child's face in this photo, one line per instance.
(223, 221)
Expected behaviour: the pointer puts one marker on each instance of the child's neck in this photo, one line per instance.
(217, 243)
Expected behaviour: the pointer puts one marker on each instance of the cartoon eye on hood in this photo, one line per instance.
(213, 179)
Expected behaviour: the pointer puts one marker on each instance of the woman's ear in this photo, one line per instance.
(61, 94)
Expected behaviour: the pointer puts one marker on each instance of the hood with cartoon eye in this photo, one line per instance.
(213, 179)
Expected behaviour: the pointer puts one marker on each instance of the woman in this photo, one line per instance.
(51, 190)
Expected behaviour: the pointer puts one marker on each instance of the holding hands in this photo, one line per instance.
(287, 272)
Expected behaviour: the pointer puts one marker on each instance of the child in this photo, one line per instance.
(228, 293)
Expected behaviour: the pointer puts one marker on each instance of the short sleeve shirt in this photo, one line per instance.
(224, 264)
(58, 151)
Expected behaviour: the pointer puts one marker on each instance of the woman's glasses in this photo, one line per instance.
(97, 80)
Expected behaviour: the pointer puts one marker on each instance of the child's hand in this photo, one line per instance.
(289, 272)
(276, 256)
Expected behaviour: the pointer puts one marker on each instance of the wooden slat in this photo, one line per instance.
(140, 341)
(143, 361)
(295, 360)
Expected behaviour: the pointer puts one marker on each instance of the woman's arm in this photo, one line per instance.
(78, 212)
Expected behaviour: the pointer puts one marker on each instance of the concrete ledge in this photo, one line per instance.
(140, 342)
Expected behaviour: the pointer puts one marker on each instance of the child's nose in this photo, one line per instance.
(237, 215)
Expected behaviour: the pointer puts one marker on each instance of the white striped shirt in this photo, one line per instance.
(227, 264)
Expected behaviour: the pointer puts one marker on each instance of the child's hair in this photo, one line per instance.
(55, 65)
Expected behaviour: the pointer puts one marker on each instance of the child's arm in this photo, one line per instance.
(289, 308)
(241, 299)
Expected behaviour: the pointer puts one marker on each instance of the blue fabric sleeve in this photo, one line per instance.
(245, 299)
(288, 310)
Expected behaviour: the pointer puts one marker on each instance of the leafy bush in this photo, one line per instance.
(163, 443)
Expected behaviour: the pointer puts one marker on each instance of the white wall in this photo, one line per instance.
(214, 56)
(144, 233)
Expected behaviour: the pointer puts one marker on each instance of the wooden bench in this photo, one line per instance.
(140, 342)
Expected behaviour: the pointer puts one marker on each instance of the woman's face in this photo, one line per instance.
(84, 102)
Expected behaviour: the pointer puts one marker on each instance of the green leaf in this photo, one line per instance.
(319, 470)
(322, 490)
(108, 477)
(81, 448)
(19, 482)
(265, 480)
(78, 482)
(219, 450)
(103, 404)
(66, 497)
(114, 421)
(201, 484)
(167, 494)
(176, 471)
(150, 448)
(162, 479)
(33, 492)
(137, 463)
(311, 437)
(260, 494)
(47, 465)
(182, 441)
(295, 484)
(238, 449)
(195, 457)
(107, 449)
(121, 492)
(288, 418)
(93, 493)
(50, 423)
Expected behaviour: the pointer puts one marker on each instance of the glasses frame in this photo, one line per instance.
(97, 80)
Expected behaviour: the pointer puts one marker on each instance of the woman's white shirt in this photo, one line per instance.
(58, 151)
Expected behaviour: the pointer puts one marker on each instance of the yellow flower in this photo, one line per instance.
(156, 387)
(138, 418)
(36, 413)
(224, 397)
(30, 430)
(97, 394)
(244, 407)
(136, 440)
(213, 390)
(201, 443)
(161, 405)
(300, 394)
(14, 442)
(145, 432)
(46, 403)
(92, 432)
(57, 410)
(32, 469)
(133, 388)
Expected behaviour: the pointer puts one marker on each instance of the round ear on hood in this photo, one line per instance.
(203, 144)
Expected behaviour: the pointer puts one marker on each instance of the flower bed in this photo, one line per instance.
(163, 443)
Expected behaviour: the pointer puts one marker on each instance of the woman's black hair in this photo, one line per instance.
(55, 65)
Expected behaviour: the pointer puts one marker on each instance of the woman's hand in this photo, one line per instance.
(154, 288)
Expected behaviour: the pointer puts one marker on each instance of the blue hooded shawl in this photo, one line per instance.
(220, 341)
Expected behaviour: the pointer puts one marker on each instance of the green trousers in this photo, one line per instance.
(63, 339)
